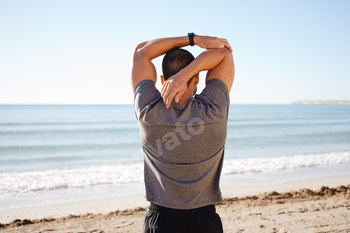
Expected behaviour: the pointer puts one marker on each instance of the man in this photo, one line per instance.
(183, 135)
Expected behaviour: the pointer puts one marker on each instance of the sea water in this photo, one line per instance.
(64, 153)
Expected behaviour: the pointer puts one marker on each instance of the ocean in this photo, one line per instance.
(51, 154)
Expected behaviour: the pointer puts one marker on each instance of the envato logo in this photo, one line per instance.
(171, 139)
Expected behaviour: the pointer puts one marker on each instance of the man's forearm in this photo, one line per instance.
(155, 48)
(207, 60)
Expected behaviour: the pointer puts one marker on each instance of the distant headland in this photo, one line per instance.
(324, 102)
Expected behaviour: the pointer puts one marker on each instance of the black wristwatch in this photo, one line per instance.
(190, 37)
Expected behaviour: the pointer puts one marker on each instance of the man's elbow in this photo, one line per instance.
(138, 51)
(226, 53)
(227, 57)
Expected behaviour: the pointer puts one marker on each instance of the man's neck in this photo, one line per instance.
(184, 98)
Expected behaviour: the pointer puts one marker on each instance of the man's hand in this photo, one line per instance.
(218, 62)
(174, 88)
(208, 42)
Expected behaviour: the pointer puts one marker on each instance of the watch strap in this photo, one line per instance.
(190, 37)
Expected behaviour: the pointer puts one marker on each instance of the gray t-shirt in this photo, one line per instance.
(183, 146)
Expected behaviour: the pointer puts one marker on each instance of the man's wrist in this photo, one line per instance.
(190, 38)
(196, 38)
(186, 73)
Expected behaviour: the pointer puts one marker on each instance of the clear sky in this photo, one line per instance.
(79, 52)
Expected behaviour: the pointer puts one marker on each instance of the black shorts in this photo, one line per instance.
(165, 220)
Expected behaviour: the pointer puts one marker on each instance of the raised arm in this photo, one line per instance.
(218, 62)
(142, 66)
(144, 53)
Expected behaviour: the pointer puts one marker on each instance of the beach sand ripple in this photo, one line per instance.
(324, 210)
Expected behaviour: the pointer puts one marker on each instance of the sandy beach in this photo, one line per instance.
(318, 205)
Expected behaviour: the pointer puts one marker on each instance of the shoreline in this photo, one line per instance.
(107, 205)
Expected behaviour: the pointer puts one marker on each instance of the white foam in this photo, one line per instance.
(275, 164)
(54, 179)
(64, 179)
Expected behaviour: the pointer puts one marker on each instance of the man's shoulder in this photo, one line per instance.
(217, 85)
(145, 93)
(215, 92)
(147, 83)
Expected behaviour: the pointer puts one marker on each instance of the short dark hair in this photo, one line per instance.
(175, 60)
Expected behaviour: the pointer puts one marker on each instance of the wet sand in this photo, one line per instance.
(325, 209)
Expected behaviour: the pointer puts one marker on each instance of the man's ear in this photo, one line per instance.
(162, 79)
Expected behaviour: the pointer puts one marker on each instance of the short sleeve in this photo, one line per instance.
(144, 94)
(217, 93)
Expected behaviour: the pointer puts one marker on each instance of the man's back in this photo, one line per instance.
(183, 146)
(182, 140)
